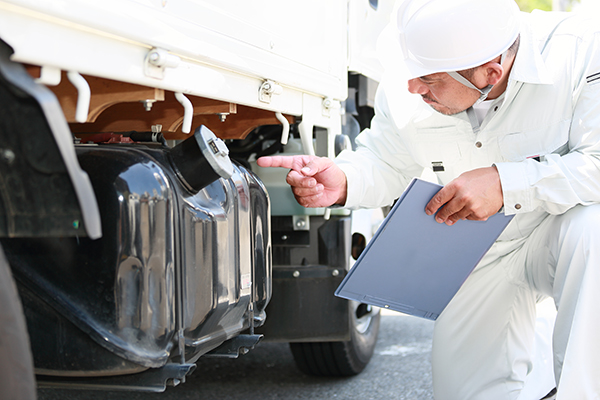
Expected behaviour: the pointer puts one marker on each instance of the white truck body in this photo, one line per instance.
(222, 50)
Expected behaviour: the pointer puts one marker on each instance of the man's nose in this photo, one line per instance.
(415, 86)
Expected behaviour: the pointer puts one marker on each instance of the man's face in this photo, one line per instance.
(443, 93)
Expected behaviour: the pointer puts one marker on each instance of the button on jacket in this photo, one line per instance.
(543, 133)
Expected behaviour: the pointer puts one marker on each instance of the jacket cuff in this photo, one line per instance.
(515, 188)
(353, 187)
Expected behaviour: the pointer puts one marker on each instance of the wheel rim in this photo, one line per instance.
(363, 316)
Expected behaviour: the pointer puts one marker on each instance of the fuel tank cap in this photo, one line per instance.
(215, 151)
(202, 159)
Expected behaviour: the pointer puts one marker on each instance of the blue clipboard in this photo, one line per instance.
(414, 264)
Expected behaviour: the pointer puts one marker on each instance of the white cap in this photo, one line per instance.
(453, 35)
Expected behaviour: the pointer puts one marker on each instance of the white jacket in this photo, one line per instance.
(550, 112)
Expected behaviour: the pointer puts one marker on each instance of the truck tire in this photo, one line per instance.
(342, 358)
(17, 381)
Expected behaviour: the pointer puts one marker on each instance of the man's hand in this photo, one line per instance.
(315, 181)
(474, 195)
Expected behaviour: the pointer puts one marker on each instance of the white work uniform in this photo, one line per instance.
(543, 135)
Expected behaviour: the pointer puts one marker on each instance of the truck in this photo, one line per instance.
(137, 232)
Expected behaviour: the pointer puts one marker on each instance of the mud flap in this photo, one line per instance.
(43, 190)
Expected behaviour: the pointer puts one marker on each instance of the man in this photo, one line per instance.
(508, 117)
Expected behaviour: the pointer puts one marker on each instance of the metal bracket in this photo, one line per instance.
(152, 380)
(49, 76)
(84, 95)
(188, 112)
(157, 61)
(308, 272)
(329, 104)
(301, 222)
(232, 348)
(267, 89)
(285, 132)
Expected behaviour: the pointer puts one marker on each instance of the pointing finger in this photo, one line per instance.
(276, 161)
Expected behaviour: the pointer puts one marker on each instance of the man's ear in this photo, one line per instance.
(493, 72)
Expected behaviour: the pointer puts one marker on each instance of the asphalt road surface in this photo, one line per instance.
(399, 370)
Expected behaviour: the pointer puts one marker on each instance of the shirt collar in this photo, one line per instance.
(529, 66)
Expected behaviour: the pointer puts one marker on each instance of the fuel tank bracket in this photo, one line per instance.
(236, 346)
(152, 380)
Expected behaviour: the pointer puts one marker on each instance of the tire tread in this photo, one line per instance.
(336, 358)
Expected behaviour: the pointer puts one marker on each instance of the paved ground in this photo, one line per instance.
(399, 370)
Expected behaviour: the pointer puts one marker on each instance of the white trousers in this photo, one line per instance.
(484, 340)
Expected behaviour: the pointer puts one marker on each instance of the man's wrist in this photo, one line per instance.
(341, 201)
